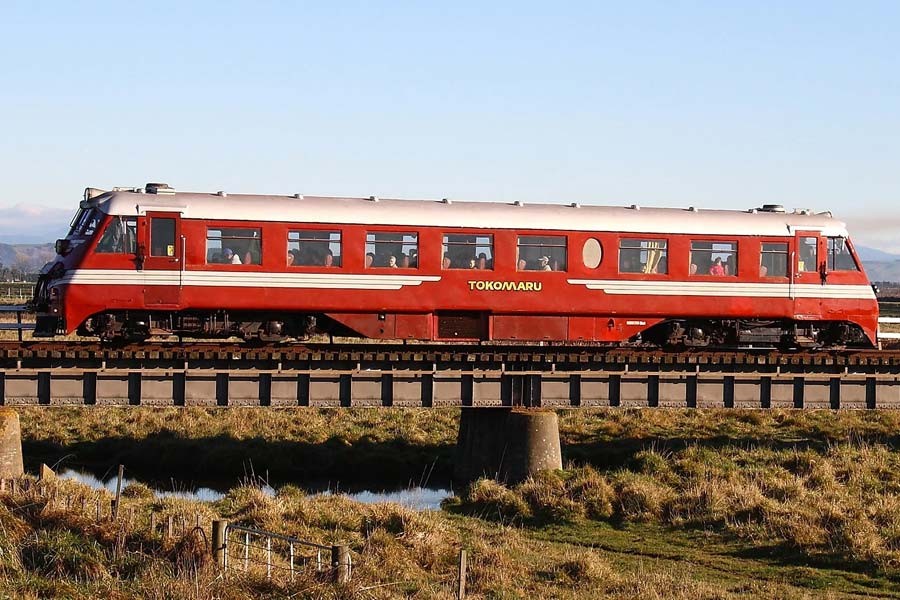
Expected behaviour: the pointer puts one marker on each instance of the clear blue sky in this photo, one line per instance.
(714, 104)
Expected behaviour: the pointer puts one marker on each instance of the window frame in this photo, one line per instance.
(831, 255)
(639, 249)
(338, 259)
(477, 235)
(222, 238)
(787, 258)
(402, 234)
(712, 242)
(116, 220)
(564, 245)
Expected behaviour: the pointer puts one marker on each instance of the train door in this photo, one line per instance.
(806, 262)
(163, 263)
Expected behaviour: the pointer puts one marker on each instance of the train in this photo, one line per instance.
(148, 261)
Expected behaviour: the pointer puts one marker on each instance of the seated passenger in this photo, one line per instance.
(290, 258)
(446, 262)
(544, 264)
(472, 263)
(522, 265)
(370, 258)
(404, 261)
(482, 261)
(763, 270)
(392, 262)
(329, 259)
(717, 268)
(693, 269)
(414, 259)
(230, 257)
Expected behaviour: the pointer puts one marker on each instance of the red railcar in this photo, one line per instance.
(143, 261)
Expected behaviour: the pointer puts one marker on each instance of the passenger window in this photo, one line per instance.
(233, 246)
(120, 236)
(162, 237)
(773, 260)
(541, 253)
(714, 258)
(643, 256)
(839, 257)
(808, 255)
(313, 248)
(392, 250)
(468, 251)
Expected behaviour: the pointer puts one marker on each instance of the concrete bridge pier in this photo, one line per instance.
(10, 444)
(507, 444)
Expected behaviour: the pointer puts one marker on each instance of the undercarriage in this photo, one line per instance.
(280, 327)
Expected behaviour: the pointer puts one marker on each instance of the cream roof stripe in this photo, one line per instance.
(459, 214)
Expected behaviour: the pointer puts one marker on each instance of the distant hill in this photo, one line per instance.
(868, 255)
(28, 257)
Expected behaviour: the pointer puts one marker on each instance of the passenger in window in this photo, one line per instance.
(404, 261)
(290, 258)
(727, 265)
(763, 270)
(329, 259)
(392, 262)
(231, 257)
(544, 264)
(414, 259)
(717, 268)
(482, 261)
(446, 262)
(522, 265)
(693, 269)
(370, 259)
(472, 264)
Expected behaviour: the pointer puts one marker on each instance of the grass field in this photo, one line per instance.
(652, 504)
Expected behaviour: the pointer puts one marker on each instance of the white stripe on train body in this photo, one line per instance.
(243, 279)
(395, 282)
(723, 289)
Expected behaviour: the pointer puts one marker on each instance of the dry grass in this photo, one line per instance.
(657, 504)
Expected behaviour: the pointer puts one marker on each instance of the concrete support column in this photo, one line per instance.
(507, 444)
(10, 444)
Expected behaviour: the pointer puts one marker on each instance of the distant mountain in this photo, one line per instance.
(28, 257)
(868, 255)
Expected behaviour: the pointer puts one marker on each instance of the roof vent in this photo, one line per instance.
(772, 208)
(159, 188)
(693, 209)
(221, 193)
(446, 200)
(373, 198)
(518, 203)
(575, 205)
(298, 196)
(634, 207)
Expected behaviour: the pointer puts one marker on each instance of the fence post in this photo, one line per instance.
(115, 512)
(340, 559)
(461, 590)
(219, 527)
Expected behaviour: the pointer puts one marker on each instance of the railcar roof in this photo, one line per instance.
(461, 214)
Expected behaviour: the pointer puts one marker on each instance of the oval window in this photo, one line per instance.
(592, 253)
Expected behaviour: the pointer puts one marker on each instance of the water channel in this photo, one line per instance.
(416, 497)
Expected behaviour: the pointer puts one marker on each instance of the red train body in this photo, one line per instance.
(143, 261)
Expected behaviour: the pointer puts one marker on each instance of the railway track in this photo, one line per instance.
(428, 375)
